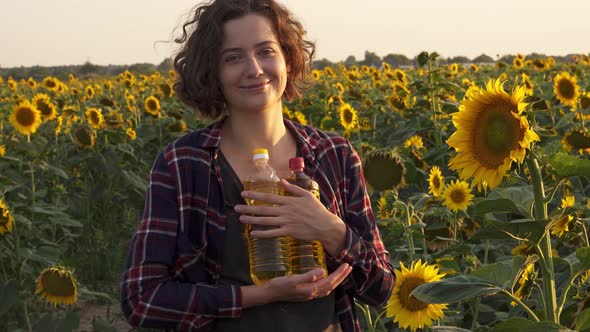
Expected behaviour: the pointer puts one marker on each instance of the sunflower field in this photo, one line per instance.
(478, 175)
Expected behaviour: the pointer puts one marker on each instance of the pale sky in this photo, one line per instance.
(70, 32)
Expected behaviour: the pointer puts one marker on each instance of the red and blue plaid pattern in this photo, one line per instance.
(171, 279)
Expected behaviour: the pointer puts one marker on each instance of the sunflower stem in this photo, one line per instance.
(410, 233)
(585, 231)
(520, 303)
(26, 314)
(565, 291)
(540, 213)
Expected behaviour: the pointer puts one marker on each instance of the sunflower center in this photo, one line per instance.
(436, 182)
(458, 196)
(578, 140)
(347, 115)
(44, 108)
(408, 301)
(4, 216)
(57, 284)
(94, 118)
(566, 89)
(152, 105)
(585, 102)
(25, 116)
(496, 133)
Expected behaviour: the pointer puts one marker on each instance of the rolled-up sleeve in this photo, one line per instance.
(372, 278)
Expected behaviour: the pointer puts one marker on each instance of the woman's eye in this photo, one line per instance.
(232, 58)
(267, 51)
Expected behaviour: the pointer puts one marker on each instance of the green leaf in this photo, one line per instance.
(583, 255)
(545, 326)
(57, 171)
(447, 329)
(70, 322)
(583, 322)
(495, 205)
(532, 230)
(503, 274)
(566, 165)
(9, 296)
(454, 289)
(513, 325)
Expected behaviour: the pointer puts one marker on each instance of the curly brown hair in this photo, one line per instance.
(197, 62)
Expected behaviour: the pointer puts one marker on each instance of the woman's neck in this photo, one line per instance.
(250, 131)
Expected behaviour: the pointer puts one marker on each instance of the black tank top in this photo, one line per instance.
(315, 315)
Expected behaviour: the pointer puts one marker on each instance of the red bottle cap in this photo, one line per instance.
(296, 163)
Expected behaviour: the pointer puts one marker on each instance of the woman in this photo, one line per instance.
(187, 267)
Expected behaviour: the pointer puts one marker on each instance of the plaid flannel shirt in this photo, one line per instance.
(171, 280)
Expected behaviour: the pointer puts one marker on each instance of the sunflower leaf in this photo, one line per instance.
(9, 295)
(454, 289)
(566, 165)
(545, 326)
(583, 322)
(583, 255)
(491, 229)
(502, 274)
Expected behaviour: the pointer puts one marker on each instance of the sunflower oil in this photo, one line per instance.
(268, 257)
(304, 255)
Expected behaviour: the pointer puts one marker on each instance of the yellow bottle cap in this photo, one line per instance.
(260, 154)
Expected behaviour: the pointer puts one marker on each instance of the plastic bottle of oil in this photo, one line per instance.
(268, 257)
(304, 255)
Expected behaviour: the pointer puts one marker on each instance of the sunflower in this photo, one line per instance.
(400, 75)
(562, 225)
(131, 133)
(152, 105)
(576, 140)
(414, 142)
(57, 285)
(474, 68)
(384, 170)
(166, 89)
(51, 83)
(178, 126)
(453, 68)
(438, 229)
(26, 118)
(410, 312)
(584, 101)
(32, 83)
(84, 136)
(518, 63)
(114, 120)
(491, 133)
(528, 84)
(6, 218)
(2, 150)
(348, 116)
(339, 88)
(299, 117)
(539, 64)
(457, 195)
(397, 103)
(566, 89)
(95, 118)
(89, 92)
(436, 181)
(525, 282)
(43, 103)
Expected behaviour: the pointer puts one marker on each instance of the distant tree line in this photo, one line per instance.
(89, 70)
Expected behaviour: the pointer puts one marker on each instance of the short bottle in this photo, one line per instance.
(304, 255)
(268, 257)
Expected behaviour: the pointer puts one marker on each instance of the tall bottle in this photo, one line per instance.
(268, 257)
(304, 255)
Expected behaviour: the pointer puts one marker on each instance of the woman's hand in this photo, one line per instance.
(301, 216)
(295, 288)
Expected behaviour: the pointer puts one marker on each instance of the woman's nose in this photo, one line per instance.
(254, 67)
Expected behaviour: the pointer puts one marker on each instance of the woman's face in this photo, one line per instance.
(253, 72)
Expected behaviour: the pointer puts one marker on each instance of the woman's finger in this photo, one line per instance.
(293, 189)
(257, 210)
